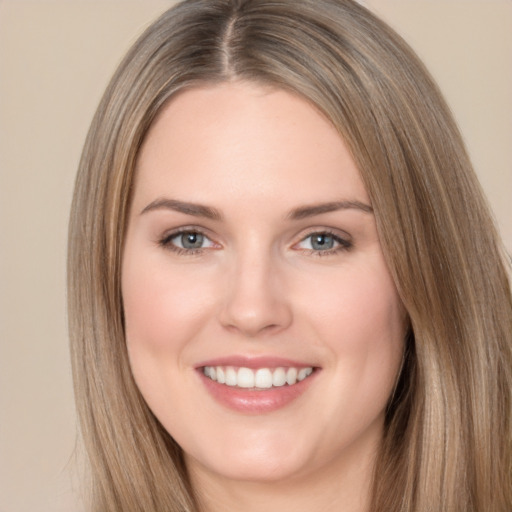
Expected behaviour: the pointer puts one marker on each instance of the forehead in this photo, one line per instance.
(242, 138)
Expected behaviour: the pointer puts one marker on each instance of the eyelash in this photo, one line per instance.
(166, 241)
(342, 243)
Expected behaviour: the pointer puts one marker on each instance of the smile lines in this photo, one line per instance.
(263, 378)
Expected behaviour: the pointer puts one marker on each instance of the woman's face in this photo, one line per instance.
(263, 327)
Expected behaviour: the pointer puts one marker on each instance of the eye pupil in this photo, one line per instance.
(322, 242)
(192, 240)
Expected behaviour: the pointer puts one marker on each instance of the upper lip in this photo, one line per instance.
(255, 362)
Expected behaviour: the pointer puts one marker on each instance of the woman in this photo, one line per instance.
(285, 286)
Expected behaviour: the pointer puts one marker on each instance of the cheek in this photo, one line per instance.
(163, 308)
(358, 309)
(359, 318)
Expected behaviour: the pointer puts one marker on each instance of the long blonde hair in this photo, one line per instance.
(448, 433)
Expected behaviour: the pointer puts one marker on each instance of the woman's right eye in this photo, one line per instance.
(187, 242)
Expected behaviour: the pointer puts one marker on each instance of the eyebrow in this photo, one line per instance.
(302, 212)
(317, 209)
(197, 210)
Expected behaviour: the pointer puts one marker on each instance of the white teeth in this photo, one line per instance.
(245, 378)
(291, 376)
(231, 376)
(262, 378)
(303, 373)
(279, 377)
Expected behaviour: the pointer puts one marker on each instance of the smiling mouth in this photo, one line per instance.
(257, 379)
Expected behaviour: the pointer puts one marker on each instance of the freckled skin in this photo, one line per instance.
(257, 288)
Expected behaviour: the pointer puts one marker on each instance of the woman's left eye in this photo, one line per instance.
(323, 242)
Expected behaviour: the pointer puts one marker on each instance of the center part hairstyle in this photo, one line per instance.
(447, 438)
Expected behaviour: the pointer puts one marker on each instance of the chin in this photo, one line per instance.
(252, 460)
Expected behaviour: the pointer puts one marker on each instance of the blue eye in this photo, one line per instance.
(186, 241)
(189, 240)
(324, 242)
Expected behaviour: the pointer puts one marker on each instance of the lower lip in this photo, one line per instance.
(251, 401)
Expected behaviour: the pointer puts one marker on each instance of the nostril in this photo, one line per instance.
(253, 321)
(254, 302)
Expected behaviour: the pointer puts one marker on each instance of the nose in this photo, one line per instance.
(255, 301)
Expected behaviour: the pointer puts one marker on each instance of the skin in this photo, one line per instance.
(258, 287)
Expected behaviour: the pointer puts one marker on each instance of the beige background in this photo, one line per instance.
(55, 59)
